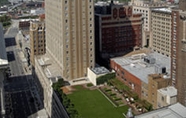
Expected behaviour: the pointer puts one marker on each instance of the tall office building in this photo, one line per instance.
(178, 56)
(144, 7)
(70, 35)
(179, 68)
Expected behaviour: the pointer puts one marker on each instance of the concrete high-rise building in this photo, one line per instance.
(37, 39)
(70, 35)
(161, 31)
(145, 7)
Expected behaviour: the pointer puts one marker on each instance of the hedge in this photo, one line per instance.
(105, 78)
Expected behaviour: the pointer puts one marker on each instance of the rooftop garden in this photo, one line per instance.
(114, 87)
(93, 104)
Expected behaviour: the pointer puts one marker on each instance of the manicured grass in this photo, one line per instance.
(92, 104)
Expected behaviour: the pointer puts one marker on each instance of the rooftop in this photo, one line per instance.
(40, 114)
(170, 91)
(168, 10)
(29, 20)
(101, 3)
(100, 70)
(142, 63)
(174, 111)
(50, 67)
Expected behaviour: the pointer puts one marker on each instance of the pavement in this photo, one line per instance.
(21, 96)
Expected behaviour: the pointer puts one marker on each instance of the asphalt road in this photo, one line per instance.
(19, 100)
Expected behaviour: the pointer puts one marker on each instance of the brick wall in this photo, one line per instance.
(127, 78)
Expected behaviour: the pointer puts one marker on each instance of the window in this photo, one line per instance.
(162, 98)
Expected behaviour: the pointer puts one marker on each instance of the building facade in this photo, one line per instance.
(166, 96)
(174, 44)
(24, 24)
(46, 72)
(179, 51)
(145, 7)
(178, 66)
(37, 39)
(155, 82)
(118, 29)
(70, 35)
(161, 31)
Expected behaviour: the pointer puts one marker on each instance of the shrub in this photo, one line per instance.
(105, 78)
(89, 84)
(146, 104)
(107, 90)
(117, 99)
(113, 94)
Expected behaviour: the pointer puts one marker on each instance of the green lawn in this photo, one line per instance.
(92, 104)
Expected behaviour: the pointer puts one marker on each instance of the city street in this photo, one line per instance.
(20, 99)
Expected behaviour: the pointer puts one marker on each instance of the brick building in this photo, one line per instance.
(117, 29)
(144, 72)
(24, 24)
(174, 45)
(179, 57)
